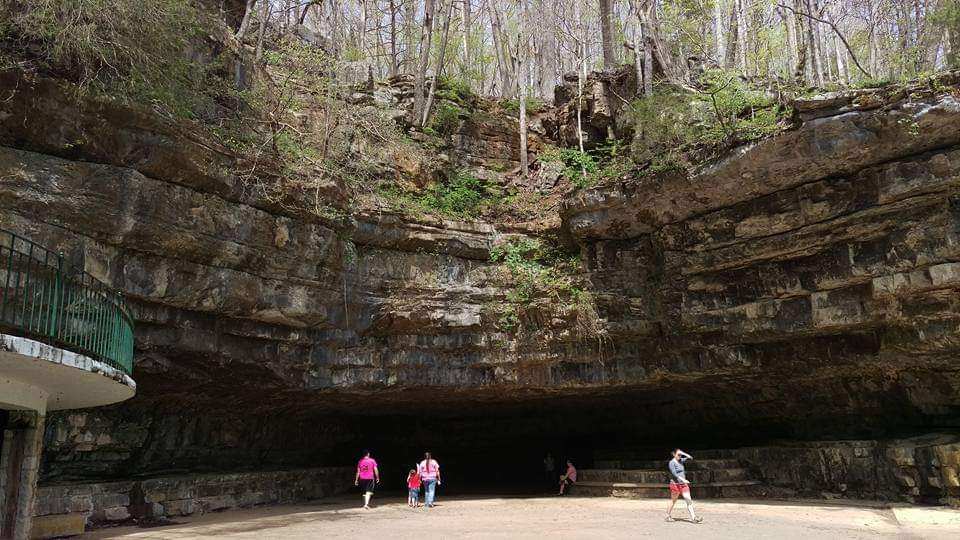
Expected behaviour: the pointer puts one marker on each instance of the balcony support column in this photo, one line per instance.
(19, 465)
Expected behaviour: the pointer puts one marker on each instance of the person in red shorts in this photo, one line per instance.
(368, 476)
(679, 485)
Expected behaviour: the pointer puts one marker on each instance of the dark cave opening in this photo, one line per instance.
(486, 441)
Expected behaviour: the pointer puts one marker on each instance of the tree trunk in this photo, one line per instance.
(637, 48)
(953, 42)
(731, 52)
(467, 27)
(606, 35)
(245, 23)
(303, 14)
(718, 31)
(439, 69)
(524, 53)
(409, 32)
(581, 76)
(501, 44)
(426, 36)
(645, 31)
(815, 72)
(264, 21)
(788, 23)
(843, 71)
(394, 60)
(362, 33)
(802, 70)
(741, 36)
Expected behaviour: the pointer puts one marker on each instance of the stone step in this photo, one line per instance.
(713, 490)
(646, 454)
(691, 465)
(661, 476)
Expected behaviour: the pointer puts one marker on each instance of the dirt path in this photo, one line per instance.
(542, 518)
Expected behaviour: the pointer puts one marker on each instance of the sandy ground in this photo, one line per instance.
(553, 517)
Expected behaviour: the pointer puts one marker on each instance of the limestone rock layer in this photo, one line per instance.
(801, 287)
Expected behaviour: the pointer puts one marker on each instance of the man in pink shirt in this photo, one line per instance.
(368, 476)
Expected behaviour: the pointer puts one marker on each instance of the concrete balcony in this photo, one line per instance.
(66, 342)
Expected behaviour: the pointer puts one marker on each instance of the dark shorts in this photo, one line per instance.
(366, 486)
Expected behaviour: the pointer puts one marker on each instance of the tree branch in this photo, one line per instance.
(837, 31)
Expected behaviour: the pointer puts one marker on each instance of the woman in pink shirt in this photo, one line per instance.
(429, 471)
(368, 476)
(568, 479)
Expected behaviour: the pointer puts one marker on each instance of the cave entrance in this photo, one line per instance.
(499, 448)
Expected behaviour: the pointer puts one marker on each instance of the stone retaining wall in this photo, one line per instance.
(920, 470)
(74, 506)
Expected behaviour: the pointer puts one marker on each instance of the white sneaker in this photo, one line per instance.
(669, 518)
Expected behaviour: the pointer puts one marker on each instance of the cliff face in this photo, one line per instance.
(802, 286)
(803, 282)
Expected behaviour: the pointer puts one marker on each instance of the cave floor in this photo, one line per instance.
(541, 517)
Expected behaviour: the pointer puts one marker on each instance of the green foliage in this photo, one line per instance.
(130, 49)
(673, 123)
(446, 119)
(584, 169)
(579, 167)
(462, 196)
(871, 83)
(456, 90)
(301, 123)
(537, 271)
(512, 106)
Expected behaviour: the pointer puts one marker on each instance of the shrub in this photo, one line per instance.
(541, 271)
(673, 123)
(512, 106)
(454, 89)
(134, 49)
(461, 196)
(446, 119)
(584, 169)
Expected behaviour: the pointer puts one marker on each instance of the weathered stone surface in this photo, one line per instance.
(72, 507)
(835, 145)
(921, 469)
(801, 287)
(58, 526)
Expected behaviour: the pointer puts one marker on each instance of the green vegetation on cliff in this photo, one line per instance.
(541, 271)
(677, 128)
(146, 52)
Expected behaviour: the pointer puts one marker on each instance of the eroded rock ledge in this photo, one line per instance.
(803, 286)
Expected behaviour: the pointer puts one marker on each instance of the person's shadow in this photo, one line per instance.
(687, 520)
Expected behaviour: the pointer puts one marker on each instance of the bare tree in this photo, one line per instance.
(606, 32)
(448, 9)
(523, 48)
(426, 36)
(245, 22)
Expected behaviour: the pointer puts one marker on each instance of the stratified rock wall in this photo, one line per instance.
(803, 286)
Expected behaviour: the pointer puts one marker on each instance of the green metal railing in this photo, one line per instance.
(42, 297)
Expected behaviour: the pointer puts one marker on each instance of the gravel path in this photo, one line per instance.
(541, 518)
